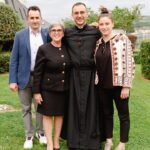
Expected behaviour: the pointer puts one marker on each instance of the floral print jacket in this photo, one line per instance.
(123, 66)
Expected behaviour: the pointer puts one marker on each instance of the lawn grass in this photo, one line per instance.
(6, 96)
(11, 124)
(139, 114)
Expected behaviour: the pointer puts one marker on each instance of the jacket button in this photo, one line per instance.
(63, 72)
(62, 81)
(64, 64)
(48, 79)
(62, 56)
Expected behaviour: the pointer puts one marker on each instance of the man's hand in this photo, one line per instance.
(125, 92)
(13, 87)
(38, 98)
(94, 24)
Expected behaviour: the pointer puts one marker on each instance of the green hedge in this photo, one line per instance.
(10, 23)
(4, 62)
(137, 57)
(145, 58)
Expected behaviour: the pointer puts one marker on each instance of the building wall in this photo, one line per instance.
(19, 8)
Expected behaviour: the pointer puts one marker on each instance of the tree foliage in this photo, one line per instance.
(92, 17)
(9, 24)
(68, 22)
(125, 18)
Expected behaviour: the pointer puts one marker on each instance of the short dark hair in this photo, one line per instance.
(34, 8)
(77, 4)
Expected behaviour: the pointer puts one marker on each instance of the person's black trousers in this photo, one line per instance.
(107, 96)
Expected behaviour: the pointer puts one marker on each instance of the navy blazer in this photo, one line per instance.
(20, 61)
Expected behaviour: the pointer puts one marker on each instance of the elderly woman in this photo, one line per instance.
(115, 70)
(51, 77)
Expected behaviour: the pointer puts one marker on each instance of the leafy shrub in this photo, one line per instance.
(124, 18)
(145, 58)
(9, 24)
(137, 57)
(4, 62)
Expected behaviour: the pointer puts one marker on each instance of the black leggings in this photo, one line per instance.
(106, 100)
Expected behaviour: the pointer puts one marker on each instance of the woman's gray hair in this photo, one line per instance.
(56, 24)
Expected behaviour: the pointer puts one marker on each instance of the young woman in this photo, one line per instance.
(115, 71)
(51, 77)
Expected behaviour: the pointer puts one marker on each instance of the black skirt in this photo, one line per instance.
(54, 103)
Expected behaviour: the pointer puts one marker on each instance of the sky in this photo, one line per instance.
(56, 10)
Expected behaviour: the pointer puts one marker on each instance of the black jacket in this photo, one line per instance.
(52, 69)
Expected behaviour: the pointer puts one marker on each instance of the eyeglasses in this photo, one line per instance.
(56, 30)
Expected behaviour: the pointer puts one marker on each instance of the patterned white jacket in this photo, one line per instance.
(123, 66)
